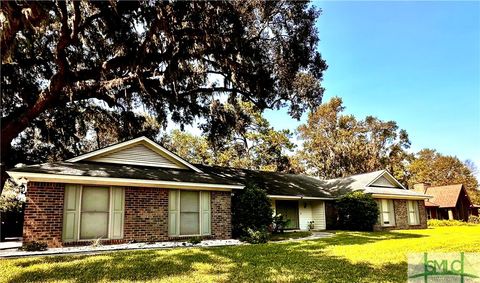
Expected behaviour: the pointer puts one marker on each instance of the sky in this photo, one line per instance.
(417, 63)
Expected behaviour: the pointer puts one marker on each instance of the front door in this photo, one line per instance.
(289, 210)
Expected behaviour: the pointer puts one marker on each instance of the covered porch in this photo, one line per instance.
(304, 213)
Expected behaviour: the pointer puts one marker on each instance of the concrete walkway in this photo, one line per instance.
(315, 235)
(10, 243)
(109, 248)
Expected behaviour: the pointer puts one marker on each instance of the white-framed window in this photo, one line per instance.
(93, 212)
(387, 215)
(413, 215)
(189, 213)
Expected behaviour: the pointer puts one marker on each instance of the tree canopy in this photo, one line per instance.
(339, 145)
(102, 61)
(437, 169)
(254, 144)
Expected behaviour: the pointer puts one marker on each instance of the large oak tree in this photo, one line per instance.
(69, 65)
(338, 145)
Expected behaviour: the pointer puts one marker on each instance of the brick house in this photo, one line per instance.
(447, 202)
(139, 191)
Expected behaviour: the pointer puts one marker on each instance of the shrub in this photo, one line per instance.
(251, 209)
(474, 219)
(34, 246)
(256, 236)
(279, 223)
(440, 223)
(357, 211)
(195, 240)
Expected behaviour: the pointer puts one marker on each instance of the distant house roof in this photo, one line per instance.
(444, 196)
(430, 204)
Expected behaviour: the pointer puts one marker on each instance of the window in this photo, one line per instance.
(189, 213)
(387, 216)
(413, 216)
(92, 213)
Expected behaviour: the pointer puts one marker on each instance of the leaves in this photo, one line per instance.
(338, 145)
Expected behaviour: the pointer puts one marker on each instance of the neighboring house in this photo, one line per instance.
(139, 191)
(447, 202)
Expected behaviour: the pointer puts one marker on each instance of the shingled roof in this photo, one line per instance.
(444, 196)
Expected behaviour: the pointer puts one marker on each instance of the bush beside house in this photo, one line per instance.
(251, 213)
(356, 211)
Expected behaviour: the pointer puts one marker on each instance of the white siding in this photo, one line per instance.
(305, 214)
(318, 215)
(383, 182)
(138, 155)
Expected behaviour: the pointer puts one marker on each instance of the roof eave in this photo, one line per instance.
(110, 181)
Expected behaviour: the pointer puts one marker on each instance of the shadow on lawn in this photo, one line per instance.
(291, 261)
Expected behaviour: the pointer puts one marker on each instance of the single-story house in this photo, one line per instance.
(139, 191)
(447, 202)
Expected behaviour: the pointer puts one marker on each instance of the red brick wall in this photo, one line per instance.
(221, 215)
(44, 213)
(146, 214)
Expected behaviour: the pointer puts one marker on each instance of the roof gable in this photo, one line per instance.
(386, 180)
(446, 196)
(140, 151)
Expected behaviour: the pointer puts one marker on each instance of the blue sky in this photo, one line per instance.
(417, 63)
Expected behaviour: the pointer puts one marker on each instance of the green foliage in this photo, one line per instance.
(345, 257)
(12, 197)
(356, 211)
(251, 209)
(338, 145)
(437, 169)
(279, 223)
(70, 68)
(255, 145)
(34, 246)
(260, 236)
(440, 223)
(474, 219)
(195, 240)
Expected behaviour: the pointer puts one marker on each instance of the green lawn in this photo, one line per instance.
(349, 256)
(290, 235)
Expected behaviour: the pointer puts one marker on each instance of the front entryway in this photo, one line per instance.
(289, 210)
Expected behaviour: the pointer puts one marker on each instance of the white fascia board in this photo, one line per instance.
(281, 197)
(128, 143)
(391, 196)
(68, 179)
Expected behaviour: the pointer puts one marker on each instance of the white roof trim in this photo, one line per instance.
(69, 179)
(385, 172)
(297, 197)
(393, 196)
(118, 146)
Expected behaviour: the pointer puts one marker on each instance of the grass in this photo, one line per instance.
(290, 235)
(346, 257)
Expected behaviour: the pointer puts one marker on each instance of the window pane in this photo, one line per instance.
(189, 201)
(189, 223)
(95, 199)
(94, 225)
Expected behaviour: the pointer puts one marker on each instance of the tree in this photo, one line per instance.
(357, 211)
(254, 144)
(175, 60)
(251, 209)
(338, 145)
(431, 167)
